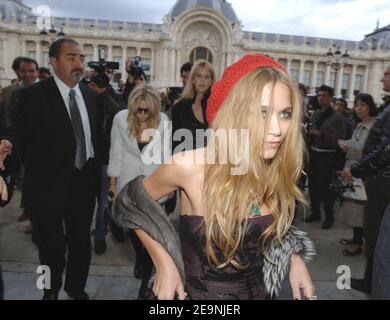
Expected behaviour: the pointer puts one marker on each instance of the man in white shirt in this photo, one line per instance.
(54, 130)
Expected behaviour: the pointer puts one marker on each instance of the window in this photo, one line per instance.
(146, 62)
(333, 79)
(88, 58)
(320, 78)
(307, 78)
(294, 74)
(201, 53)
(46, 59)
(31, 54)
(345, 84)
(359, 83)
(119, 60)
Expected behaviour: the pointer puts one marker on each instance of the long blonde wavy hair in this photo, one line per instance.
(227, 198)
(143, 93)
(189, 90)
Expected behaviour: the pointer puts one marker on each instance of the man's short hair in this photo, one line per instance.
(327, 89)
(28, 60)
(137, 73)
(343, 101)
(55, 48)
(44, 70)
(16, 63)
(186, 67)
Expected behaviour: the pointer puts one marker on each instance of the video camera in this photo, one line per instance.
(135, 63)
(101, 79)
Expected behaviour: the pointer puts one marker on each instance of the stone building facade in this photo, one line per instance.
(196, 29)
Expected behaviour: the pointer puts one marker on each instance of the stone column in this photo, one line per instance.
(124, 58)
(352, 80)
(289, 61)
(95, 53)
(339, 82)
(138, 51)
(327, 75)
(366, 75)
(152, 64)
(109, 57)
(170, 65)
(38, 52)
(229, 59)
(314, 76)
(178, 66)
(164, 65)
(24, 50)
(301, 71)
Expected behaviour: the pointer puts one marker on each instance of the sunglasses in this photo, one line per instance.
(144, 110)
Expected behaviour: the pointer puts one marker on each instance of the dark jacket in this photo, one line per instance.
(107, 108)
(8, 99)
(332, 129)
(376, 154)
(183, 118)
(42, 131)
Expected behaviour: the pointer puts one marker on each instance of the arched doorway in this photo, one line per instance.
(201, 53)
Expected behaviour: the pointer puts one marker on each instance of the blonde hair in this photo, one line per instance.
(228, 199)
(189, 89)
(143, 93)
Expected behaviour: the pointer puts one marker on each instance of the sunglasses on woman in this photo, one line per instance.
(144, 110)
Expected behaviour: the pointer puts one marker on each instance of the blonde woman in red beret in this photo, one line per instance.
(236, 236)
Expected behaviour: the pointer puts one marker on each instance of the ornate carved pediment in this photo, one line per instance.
(202, 35)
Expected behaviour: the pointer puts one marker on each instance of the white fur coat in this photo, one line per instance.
(125, 157)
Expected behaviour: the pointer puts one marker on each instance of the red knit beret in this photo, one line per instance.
(232, 74)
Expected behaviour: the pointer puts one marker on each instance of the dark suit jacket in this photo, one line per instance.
(41, 130)
(5, 99)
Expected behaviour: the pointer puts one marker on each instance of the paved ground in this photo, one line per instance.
(111, 274)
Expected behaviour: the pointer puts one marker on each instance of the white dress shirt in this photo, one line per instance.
(64, 90)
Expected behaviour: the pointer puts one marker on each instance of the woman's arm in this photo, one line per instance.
(115, 162)
(3, 190)
(168, 280)
(165, 179)
(111, 188)
(300, 279)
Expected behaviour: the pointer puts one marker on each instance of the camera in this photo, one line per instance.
(136, 62)
(174, 93)
(101, 79)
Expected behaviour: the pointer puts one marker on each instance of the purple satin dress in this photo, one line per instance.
(205, 282)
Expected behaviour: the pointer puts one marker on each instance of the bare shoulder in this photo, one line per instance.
(189, 161)
(179, 172)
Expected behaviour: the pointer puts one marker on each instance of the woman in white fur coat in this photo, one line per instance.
(140, 141)
(130, 152)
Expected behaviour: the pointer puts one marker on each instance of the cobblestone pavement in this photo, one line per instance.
(111, 275)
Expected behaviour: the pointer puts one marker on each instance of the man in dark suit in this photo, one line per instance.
(54, 129)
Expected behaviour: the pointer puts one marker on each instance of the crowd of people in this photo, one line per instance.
(76, 149)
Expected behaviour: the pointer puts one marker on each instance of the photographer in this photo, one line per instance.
(173, 94)
(88, 74)
(131, 64)
(325, 129)
(3, 197)
(107, 108)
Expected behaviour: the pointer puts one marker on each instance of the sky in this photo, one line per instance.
(337, 19)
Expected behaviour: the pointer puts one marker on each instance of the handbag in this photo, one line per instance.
(117, 232)
(354, 191)
(9, 180)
